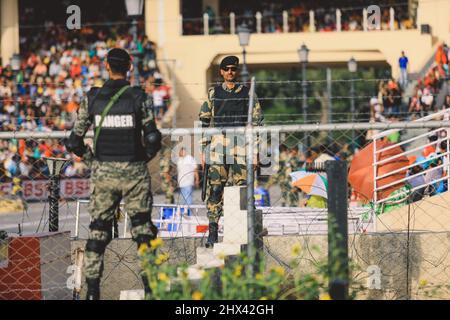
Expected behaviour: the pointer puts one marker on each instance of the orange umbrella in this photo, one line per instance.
(361, 170)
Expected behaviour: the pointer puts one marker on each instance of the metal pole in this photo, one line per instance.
(136, 54)
(305, 107)
(329, 93)
(337, 229)
(77, 219)
(251, 250)
(244, 74)
(352, 110)
(53, 200)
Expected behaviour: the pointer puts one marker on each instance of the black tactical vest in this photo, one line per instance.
(120, 137)
(230, 108)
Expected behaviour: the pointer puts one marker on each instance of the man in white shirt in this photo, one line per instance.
(187, 176)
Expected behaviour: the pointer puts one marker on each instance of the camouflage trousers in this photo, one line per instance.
(110, 183)
(218, 175)
(290, 197)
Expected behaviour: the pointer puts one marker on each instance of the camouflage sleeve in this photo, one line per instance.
(206, 115)
(83, 122)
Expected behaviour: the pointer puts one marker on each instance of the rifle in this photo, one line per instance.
(205, 181)
(205, 174)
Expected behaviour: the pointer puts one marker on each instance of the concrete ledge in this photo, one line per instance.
(227, 249)
(132, 294)
(207, 258)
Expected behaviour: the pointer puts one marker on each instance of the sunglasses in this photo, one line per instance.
(230, 68)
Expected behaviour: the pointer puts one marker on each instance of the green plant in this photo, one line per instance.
(246, 278)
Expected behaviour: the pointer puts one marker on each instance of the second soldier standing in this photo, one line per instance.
(227, 106)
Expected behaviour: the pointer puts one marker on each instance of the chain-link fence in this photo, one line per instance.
(397, 252)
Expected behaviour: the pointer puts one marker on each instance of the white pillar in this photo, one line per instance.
(312, 25)
(232, 23)
(258, 17)
(391, 19)
(365, 19)
(205, 24)
(285, 21)
(9, 29)
(338, 20)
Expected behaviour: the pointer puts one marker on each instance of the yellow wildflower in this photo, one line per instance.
(184, 274)
(197, 295)
(156, 243)
(163, 277)
(325, 296)
(161, 258)
(164, 257)
(142, 249)
(153, 285)
(279, 270)
(237, 271)
(423, 283)
(295, 250)
(259, 276)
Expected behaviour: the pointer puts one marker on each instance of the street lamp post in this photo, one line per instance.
(244, 39)
(55, 165)
(134, 10)
(352, 68)
(303, 52)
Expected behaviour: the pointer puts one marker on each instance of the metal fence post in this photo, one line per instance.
(337, 229)
(53, 199)
(55, 165)
(251, 220)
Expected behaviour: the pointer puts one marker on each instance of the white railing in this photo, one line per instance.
(377, 199)
(277, 221)
(205, 21)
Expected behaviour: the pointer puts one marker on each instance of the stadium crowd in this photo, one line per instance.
(43, 91)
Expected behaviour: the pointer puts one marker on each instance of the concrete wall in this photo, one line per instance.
(436, 13)
(427, 263)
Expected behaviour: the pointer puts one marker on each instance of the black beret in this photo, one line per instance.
(229, 61)
(118, 56)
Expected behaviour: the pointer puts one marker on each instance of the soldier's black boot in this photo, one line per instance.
(93, 289)
(147, 290)
(213, 236)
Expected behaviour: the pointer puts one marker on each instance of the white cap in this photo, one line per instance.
(373, 100)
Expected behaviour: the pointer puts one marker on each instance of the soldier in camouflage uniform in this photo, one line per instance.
(166, 173)
(227, 106)
(128, 139)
